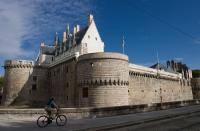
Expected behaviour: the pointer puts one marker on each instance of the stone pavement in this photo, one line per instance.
(9, 123)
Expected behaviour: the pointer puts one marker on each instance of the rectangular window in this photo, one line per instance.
(66, 69)
(34, 87)
(49, 74)
(85, 92)
(34, 78)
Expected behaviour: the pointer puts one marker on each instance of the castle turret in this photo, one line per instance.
(17, 73)
(56, 44)
(64, 37)
(66, 34)
(77, 28)
(67, 31)
(102, 79)
(74, 37)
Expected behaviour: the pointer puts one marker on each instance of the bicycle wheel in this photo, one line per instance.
(42, 121)
(61, 120)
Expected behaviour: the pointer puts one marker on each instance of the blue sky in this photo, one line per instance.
(169, 27)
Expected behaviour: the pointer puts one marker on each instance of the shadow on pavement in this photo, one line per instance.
(27, 126)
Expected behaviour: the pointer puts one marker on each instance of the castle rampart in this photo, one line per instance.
(148, 85)
(102, 79)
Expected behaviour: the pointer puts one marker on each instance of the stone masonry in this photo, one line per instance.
(196, 87)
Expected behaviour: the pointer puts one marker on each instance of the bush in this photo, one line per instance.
(195, 73)
(1, 83)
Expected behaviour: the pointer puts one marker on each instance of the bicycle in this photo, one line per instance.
(45, 120)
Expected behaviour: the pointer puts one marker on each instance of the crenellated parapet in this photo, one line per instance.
(148, 75)
(18, 64)
(103, 82)
(138, 70)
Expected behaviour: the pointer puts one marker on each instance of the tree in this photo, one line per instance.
(195, 73)
(1, 82)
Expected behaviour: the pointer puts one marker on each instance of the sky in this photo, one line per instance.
(169, 28)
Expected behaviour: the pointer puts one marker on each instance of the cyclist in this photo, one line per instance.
(51, 107)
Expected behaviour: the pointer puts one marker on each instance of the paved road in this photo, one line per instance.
(182, 122)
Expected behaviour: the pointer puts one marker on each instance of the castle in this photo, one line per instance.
(78, 73)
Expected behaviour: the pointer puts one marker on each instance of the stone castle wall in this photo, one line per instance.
(39, 88)
(25, 84)
(195, 82)
(16, 78)
(92, 80)
(147, 87)
(62, 83)
(150, 89)
(102, 79)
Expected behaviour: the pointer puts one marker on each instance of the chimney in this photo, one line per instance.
(74, 30)
(42, 44)
(77, 28)
(64, 37)
(90, 19)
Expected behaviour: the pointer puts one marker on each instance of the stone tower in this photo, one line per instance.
(102, 79)
(17, 74)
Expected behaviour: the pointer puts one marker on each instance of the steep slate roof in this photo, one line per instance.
(48, 50)
(162, 67)
(79, 35)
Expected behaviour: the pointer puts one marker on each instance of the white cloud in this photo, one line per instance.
(26, 22)
(13, 21)
(197, 42)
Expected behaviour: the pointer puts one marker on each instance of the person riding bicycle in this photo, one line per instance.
(51, 107)
(53, 112)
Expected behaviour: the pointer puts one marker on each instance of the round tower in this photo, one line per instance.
(102, 79)
(16, 77)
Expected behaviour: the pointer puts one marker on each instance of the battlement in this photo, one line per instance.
(18, 64)
(153, 72)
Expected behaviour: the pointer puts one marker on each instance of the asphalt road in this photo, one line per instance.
(182, 123)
